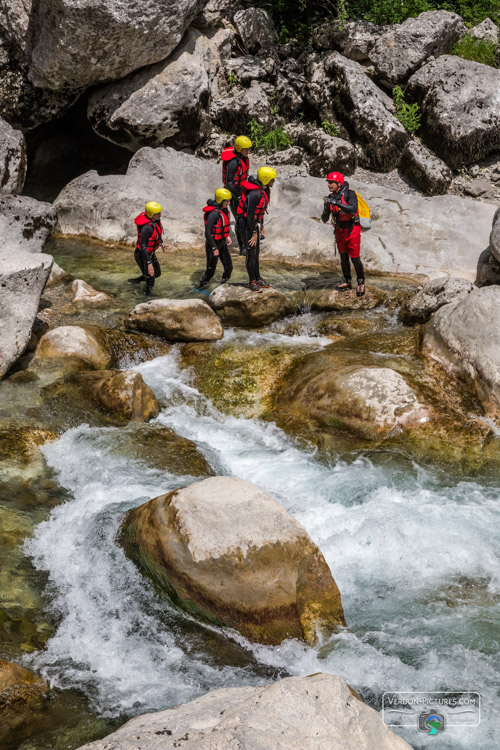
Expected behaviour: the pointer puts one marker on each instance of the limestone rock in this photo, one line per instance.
(464, 337)
(12, 159)
(75, 343)
(177, 320)
(57, 276)
(238, 306)
(404, 47)
(87, 295)
(495, 236)
(329, 300)
(75, 47)
(433, 295)
(22, 699)
(249, 68)
(121, 392)
(290, 92)
(323, 150)
(488, 269)
(479, 187)
(229, 553)
(460, 107)
(318, 712)
(342, 86)
(425, 169)
(354, 40)
(26, 222)
(289, 156)
(232, 111)
(487, 30)
(22, 279)
(167, 103)
(256, 29)
(216, 12)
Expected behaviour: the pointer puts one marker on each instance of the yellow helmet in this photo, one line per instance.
(242, 142)
(266, 174)
(222, 194)
(152, 208)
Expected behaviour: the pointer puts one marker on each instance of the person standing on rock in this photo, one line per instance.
(235, 166)
(251, 209)
(149, 239)
(342, 206)
(217, 237)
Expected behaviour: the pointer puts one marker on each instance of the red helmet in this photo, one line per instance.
(335, 177)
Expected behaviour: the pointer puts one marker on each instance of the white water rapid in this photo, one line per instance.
(399, 540)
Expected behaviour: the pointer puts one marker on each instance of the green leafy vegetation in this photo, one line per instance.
(270, 140)
(232, 80)
(407, 114)
(480, 50)
(273, 101)
(331, 128)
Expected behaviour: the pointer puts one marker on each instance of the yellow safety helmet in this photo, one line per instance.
(222, 194)
(242, 142)
(266, 174)
(152, 208)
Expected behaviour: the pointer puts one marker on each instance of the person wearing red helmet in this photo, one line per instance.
(342, 206)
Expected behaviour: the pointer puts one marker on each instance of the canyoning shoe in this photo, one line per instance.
(360, 291)
(243, 251)
(223, 280)
(254, 287)
(136, 280)
(344, 286)
(263, 284)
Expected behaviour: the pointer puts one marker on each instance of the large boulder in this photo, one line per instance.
(12, 159)
(177, 320)
(232, 110)
(78, 45)
(318, 712)
(86, 294)
(425, 169)
(354, 39)
(488, 269)
(22, 700)
(230, 554)
(460, 107)
(342, 87)
(433, 295)
(256, 29)
(487, 30)
(402, 48)
(120, 392)
(25, 223)
(464, 337)
(22, 280)
(76, 344)
(323, 150)
(133, 113)
(239, 306)
(249, 68)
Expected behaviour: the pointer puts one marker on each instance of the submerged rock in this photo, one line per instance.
(330, 300)
(433, 295)
(79, 345)
(87, 295)
(120, 392)
(177, 320)
(229, 554)
(317, 712)
(239, 306)
(22, 698)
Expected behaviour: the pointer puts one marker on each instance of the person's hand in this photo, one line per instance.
(253, 240)
(216, 253)
(229, 241)
(163, 248)
(151, 270)
(262, 232)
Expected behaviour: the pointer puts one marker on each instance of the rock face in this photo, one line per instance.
(460, 106)
(12, 159)
(323, 149)
(256, 29)
(403, 47)
(167, 103)
(121, 392)
(75, 343)
(318, 711)
(88, 47)
(22, 279)
(425, 169)
(177, 320)
(342, 85)
(22, 698)
(87, 295)
(238, 306)
(230, 554)
(433, 295)
(464, 338)
(26, 222)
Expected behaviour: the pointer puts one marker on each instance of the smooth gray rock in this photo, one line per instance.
(425, 169)
(460, 104)
(324, 151)
(403, 47)
(464, 337)
(479, 188)
(488, 269)
(177, 320)
(232, 110)
(22, 280)
(238, 306)
(341, 86)
(249, 68)
(256, 29)
(433, 295)
(354, 40)
(167, 103)
(79, 44)
(486, 30)
(26, 222)
(12, 159)
(495, 236)
(317, 712)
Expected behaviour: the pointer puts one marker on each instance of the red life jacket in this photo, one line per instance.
(155, 238)
(344, 218)
(260, 210)
(220, 230)
(241, 173)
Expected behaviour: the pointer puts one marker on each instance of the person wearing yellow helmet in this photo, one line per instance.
(251, 209)
(149, 238)
(217, 239)
(235, 166)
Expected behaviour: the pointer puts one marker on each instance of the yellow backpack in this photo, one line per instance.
(364, 213)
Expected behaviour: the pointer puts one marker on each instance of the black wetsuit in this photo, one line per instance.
(235, 191)
(248, 225)
(211, 244)
(143, 257)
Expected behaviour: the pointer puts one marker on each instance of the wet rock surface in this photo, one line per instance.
(433, 295)
(239, 306)
(424, 169)
(177, 320)
(122, 392)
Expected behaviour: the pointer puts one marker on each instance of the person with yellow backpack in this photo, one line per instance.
(342, 206)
